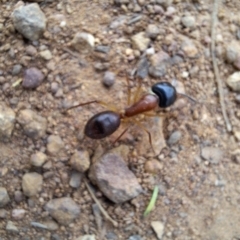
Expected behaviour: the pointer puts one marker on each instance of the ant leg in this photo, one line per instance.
(111, 107)
(138, 91)
(129, 91)
(125, 130)
(144, 129)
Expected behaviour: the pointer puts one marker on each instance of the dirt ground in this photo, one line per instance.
(199, 195)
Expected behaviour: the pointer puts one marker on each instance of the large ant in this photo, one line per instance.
(105, 123)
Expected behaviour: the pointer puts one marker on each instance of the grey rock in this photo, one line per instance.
(55, 145)
(159, 63)
(174, 137)
(164, 3)
(80, 161)
(152, 31)
(16, 69)
(7, 120)
(188, 21)
(233, 81)
(212, 154)
(83, 42)
(3, 213)
(158, 71)
(34, 126)
(114, 179)
(140, 41)
(11, 227)
(30, 21)
(135, 237)
(38, 159)
(4, 198)
(103, 49)
(108, 79)
(33, 77)
(75, 179)
(158, 228)
(63, 210)
(101, 66)
(232, 51)
(32, 184)
(18, 196)
(142, 68)
(111, 236)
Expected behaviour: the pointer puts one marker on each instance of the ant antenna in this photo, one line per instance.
(187, 96)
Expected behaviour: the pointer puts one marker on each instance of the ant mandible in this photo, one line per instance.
(105, 123)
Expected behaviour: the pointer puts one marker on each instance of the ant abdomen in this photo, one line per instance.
(102, 124)
(166, 93)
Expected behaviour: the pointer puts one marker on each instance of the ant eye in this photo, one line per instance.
(166, 93)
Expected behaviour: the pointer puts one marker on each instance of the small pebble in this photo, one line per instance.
(80, 161)
(16, 69)
(46, 54)
(158, 228)
(83, 42)
(33, 77)
(233, 81)
(38, 159)
(174, 137)
(11, 227)
(140, 41)
(4, 197)
(108, 79)
(32, 184)
(54, 145)
(188, 21)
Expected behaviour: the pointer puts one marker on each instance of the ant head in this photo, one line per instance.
(166, 93)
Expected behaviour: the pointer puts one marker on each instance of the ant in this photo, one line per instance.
(105, 123)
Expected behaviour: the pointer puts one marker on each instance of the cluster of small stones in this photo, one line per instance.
(157, 49)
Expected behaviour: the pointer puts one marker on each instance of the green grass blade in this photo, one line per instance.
(152, 202)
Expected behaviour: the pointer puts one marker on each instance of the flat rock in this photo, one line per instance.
(11, 227)
(7, 120)
(4, 198)
(212, 154)
(34, 125)
(158, 228)
(114, 178)
(233, 81)
(32, 184)
(63, 210)
(30, 21)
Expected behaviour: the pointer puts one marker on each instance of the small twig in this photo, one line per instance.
(215, 66)
(105, 214)
(15, 84)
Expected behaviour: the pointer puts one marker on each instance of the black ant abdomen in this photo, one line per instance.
(166, 93)
(102, 124)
